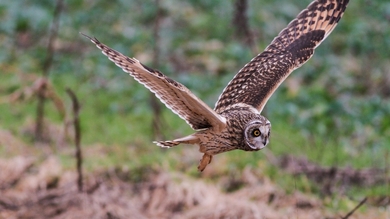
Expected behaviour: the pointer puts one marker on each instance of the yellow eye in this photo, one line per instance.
(256, 133)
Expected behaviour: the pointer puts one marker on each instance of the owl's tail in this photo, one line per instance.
(191, 139)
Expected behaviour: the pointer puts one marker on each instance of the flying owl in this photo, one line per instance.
(236, 121)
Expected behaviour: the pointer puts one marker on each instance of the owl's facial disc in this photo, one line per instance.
(257, 134)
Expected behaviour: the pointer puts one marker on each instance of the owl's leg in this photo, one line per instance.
(191, 139)
(206, 159)
(167, 144)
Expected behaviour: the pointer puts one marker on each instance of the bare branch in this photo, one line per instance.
(53, 35)
(46, 67)
(76, 123)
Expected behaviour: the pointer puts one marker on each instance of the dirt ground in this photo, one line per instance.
(45, 190)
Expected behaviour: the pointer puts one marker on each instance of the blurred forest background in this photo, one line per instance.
(330, 141)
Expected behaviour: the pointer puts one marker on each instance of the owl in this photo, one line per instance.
(236, 121)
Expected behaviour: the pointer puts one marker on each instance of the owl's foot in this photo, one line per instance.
(206, 159)
(167, 144)
(191, 139)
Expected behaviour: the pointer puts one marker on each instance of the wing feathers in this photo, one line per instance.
(173, 94)
(294, 46)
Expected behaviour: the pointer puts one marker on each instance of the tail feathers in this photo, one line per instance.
(191, 139)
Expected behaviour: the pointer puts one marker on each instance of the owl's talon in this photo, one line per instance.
(211, 158)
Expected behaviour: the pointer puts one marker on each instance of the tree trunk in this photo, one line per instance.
(157, 122)
(241, 25)
(39, 124)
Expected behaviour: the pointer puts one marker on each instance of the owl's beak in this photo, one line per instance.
(265, 141)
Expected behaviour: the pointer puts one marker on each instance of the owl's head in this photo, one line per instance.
(257, 133)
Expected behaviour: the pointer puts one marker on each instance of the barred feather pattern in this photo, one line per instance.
(294, 46)
(174, 95)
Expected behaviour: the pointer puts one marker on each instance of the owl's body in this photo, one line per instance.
(244, 129)
(236, 123)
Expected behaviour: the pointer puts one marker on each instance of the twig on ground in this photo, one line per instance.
(353, 210)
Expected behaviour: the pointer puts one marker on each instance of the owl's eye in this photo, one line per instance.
(256, 133)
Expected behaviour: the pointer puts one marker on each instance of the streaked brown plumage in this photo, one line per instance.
(236, 123)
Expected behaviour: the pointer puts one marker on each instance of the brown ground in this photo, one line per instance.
(29, 190)
(41, 188)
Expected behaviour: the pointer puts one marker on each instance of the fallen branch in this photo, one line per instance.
(5, 205)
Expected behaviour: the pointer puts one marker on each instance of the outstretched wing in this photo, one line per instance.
(173, 94)
(257, 80)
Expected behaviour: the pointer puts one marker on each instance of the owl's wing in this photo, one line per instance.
(257, 80)
(174, 95)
